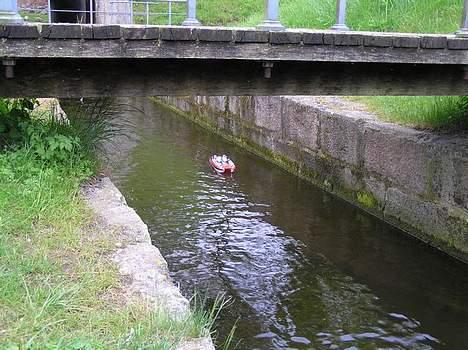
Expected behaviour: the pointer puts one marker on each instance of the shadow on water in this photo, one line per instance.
(304, 269)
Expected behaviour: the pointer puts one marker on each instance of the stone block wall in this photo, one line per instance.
(415, 180)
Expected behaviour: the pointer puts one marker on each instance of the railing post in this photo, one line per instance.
(340, 16)
(49, 12)
(191, 19)
(9, 12)
(271, 21)
(463, 32)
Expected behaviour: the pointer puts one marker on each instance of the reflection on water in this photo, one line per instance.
(305, 270)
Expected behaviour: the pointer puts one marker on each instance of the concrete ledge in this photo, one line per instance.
(415, 180)
(139, 262)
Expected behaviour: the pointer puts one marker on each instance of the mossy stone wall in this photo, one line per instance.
(415, 180)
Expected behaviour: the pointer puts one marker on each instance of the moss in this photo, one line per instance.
(366, 199)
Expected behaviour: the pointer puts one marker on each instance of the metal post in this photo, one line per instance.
(131, 11)
(271, 21)
(340, 16)
(9, 12)
(147, 12)
(91, 19)
(49, 11)
(170, 11)
(191, 19)
(463, 32)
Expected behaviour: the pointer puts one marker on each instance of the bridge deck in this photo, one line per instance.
(113, 41)
(94, 60)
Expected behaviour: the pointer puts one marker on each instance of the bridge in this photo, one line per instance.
(75, 60)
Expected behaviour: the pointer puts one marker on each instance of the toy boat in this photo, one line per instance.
(222, 164)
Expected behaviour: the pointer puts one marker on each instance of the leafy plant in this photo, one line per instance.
(13, 114)
(48, 144)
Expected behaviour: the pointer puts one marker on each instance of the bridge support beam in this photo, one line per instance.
(191, 19)
(340, 16)
(9, 12)
(271, 21)
(75, 78)
(463, 32)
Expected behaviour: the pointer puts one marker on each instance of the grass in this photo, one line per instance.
(423, 16)
(435, 113)
(37, 16)
(58, 289)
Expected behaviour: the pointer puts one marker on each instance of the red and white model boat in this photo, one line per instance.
(222, 164)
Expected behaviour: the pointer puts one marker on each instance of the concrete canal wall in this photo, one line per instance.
(415, 180)
(140, 264)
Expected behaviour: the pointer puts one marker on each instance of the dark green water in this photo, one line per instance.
(305, 270)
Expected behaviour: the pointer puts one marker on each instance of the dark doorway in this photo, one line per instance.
(71, 11)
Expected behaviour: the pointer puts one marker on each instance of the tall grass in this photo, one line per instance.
(57, 288)
(448, 112)
(97, 122)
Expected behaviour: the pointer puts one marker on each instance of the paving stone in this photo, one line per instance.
(178, 34)
(106, 32)
(61, 31)
(251, 36)
(143, 33)
(434, 42)
(341, 39)
(349, 39)
(457, 44)
(221, 35)
(285, 37)
(406, 42)
(378, 41)
(313, 38)
(22, 31)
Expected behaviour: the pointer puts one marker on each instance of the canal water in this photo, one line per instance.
(304, 269)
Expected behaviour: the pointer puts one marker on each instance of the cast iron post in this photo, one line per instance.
(340, 16)
(271, 21)
(463, 32)
(191, 19)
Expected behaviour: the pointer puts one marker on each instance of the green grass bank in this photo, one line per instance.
(422, 16)
(425, 16)
(58, 288)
